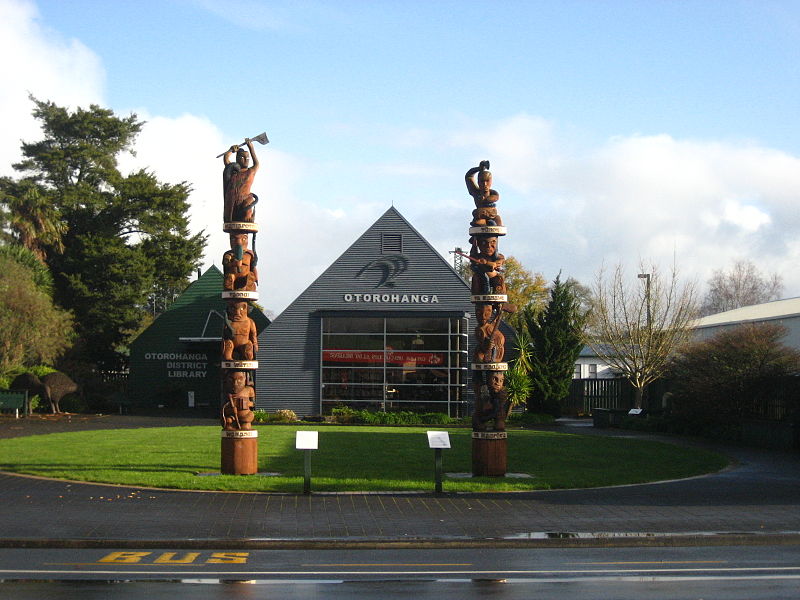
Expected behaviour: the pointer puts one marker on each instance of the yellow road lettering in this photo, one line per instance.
(124, 557)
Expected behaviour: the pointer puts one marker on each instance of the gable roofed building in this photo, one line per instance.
(385, 327)
(175, 362)
(784, 312)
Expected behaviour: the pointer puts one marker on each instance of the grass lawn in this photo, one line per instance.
(349, 458)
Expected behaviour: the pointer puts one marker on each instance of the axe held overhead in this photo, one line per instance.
(261, 138)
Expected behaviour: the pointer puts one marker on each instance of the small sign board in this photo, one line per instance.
(307, 440)
(635, 411)
(438, 439)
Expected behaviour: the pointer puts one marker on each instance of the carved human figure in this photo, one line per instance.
(239, 265)
(237, 411)
(237, 178)
(487, 266)
(485, 197)
(493, 406)
(489, 340)
(239, 335)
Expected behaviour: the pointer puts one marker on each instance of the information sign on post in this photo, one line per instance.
(438, 440)
(307, 441)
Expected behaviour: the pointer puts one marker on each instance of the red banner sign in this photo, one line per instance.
(421, 359)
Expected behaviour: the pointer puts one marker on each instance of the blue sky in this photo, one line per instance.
(616, 130)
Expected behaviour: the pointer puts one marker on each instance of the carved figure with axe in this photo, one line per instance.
(237, 178)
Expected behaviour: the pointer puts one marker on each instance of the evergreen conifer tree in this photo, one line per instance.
(556, 341)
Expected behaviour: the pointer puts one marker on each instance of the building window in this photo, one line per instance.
(391, 243)
(592, 371)
(394, 363)
(576, 374)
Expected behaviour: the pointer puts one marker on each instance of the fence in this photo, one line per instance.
(775, 399)
(586, 394)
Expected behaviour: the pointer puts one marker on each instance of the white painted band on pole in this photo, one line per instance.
(488, 230)
(489, 366)
(239, 295)
(240, 226)
(239, 433)
(240, 364)
(490, 298)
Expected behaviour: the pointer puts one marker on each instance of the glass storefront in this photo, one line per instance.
(394, 363)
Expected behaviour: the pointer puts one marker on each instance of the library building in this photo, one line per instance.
(385, 327)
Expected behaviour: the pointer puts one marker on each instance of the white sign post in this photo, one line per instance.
(438, 440)
(307, 441)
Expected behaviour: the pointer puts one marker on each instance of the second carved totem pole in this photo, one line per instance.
(239, 446)
(488, 294)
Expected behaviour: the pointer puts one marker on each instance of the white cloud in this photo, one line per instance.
(703, 203)
(38, 61)
(297, 239)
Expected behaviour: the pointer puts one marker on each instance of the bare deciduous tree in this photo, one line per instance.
(637, 322)
(743, 285)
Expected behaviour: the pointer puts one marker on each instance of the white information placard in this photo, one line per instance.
(438, 439)
(635, 411)
(307, 440)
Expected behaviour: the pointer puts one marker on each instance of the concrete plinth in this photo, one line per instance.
(489, 453)
(239, 452)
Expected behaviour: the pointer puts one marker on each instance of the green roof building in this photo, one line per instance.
(176, 361)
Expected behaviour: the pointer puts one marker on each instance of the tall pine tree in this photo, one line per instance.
(122, 238)
(556, 341)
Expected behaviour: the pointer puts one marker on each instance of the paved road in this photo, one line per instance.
(641, 573)
(759, 495)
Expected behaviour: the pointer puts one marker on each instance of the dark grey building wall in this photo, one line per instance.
(409, 280)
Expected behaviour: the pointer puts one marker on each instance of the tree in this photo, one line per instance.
(32, 329)
(125, 237)
(556, 341)
(38, 270)
(525, 289)
(638, 323)
(31, 218)
(724, 378)
(743, 285)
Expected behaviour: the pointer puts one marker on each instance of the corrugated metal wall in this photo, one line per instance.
(289, 350)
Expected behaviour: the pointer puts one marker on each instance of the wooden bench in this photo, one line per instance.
(13, 401)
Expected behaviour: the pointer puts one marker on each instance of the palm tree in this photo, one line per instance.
(33, 220)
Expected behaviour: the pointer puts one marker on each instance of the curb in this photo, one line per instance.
(543, 540)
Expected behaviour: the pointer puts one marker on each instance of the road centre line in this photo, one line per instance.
(655, 562)
(387, 565)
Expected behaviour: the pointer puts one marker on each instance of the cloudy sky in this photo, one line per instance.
(617, 131)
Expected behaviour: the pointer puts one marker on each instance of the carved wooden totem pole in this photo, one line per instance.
(489, 438)
(239, 335)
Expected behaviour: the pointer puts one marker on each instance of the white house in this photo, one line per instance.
(590, 366)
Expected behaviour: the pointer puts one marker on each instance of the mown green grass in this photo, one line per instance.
(348, 459)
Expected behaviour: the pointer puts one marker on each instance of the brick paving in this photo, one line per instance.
(760, 494)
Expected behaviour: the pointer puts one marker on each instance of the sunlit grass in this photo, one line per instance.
(348, 459)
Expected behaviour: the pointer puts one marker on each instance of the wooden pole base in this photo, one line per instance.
(239, 452)
(489, 453)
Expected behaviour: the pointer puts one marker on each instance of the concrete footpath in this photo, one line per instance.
(756, 500)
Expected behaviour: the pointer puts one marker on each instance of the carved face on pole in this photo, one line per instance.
(239, 240)
(487, 245)
(485, 182)
(243, 158)
(483, 312)
(235, 382)
(237, 311)
(495, 381)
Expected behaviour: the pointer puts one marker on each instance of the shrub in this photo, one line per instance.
(280, 416)
(286, 415)
(349, 415)
(728, 377)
